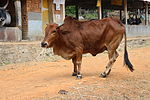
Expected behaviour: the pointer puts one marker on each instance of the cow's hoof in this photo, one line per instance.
(74, 74)
(79, 76)
(103, 75)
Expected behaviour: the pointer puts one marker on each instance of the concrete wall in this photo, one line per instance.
(23, 52)
(10, 34)
(12, 53)
(35, 26)
(138, 30)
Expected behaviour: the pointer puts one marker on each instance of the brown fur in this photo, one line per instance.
(75, 38)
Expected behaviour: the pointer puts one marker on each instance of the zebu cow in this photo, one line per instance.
(74, 38)
(5, 17)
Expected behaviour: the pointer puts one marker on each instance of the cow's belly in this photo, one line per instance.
(95, 51)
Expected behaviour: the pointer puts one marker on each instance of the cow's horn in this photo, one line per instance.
(5, 5)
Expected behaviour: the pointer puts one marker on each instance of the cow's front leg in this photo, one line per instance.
(78, 63)
(79, 76)
(75, 66)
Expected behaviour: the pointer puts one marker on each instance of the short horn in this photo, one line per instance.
(4, 7)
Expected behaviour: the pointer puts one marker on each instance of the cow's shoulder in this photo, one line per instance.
(70, 24)
(69, 20)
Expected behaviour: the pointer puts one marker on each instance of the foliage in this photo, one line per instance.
(91, 16)
(70, 11)
(86, 14)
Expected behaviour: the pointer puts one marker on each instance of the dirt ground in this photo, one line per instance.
(43, 80)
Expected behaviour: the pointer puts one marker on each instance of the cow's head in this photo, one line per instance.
(4, 15)
(50, 35)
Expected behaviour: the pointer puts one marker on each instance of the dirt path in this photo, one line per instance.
(43, 80)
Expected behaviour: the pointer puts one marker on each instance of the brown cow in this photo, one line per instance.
(74, 38)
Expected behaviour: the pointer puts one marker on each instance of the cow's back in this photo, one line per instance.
(97, 33)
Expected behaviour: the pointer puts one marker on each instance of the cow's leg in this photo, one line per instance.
(78, 62)
(112, 53)
(75, 66)
(79, 76)
(112, 58)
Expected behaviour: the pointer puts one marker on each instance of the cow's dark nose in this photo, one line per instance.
(2, 19)
(44, 44)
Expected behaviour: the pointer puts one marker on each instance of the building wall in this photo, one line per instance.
(24, 19)
(45, 14)
(50, 14)
(35, 15)
(10, 32)
(32, 19)
(138, 30)
(38, 13)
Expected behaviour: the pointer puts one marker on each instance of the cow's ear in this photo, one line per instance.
(58, 30)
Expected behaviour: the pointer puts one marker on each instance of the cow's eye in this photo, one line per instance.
(54, 31)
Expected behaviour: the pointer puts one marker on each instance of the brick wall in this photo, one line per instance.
(34, 5)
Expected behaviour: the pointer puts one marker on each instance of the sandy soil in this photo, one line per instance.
(43, 80)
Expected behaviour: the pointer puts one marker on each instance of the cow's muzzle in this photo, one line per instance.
(2, 19)
(44, 44)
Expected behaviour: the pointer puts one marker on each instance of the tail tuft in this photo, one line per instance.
(127, 61)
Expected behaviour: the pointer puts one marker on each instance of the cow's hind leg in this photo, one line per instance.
(112, 58)
(112, 53)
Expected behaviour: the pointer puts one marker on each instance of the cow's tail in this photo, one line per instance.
(126, 59)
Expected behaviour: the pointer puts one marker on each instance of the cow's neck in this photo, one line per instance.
(60, 48)
(59, 44)
(59, 41)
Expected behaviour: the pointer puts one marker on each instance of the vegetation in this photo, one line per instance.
(83, 13)
(70, 11)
